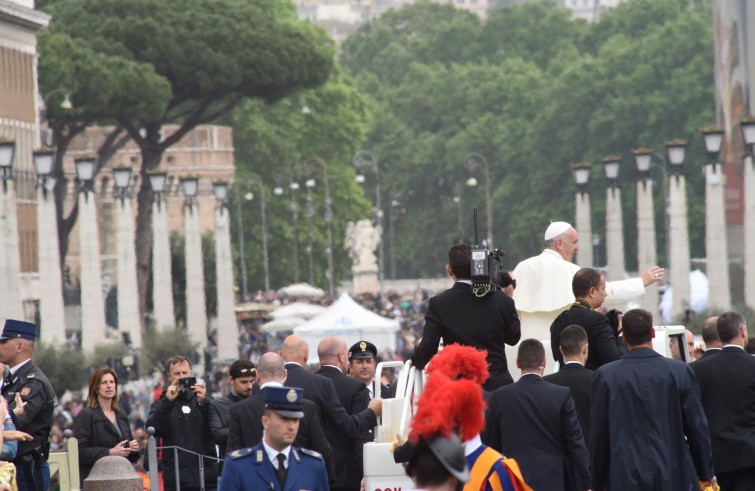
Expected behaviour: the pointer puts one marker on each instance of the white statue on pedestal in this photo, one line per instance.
(362, 238)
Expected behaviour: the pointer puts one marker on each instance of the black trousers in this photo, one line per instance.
(738, 480)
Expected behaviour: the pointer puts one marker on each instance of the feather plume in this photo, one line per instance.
(461, 362)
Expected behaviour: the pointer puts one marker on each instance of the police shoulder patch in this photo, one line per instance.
(242, 452)
(25, 391)
(311, 453)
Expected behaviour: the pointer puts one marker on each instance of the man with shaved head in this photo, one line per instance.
(354, 397)
(712, 342)
(321, 391)
(245, 417)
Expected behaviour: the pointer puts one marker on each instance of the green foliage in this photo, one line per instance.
(210, 274)
(533, 91)
(161, 345)
(178, 273)
(107, 351)
(63, 365)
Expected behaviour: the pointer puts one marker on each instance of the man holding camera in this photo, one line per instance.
(180, 418)
(589, 288)
(458, 316)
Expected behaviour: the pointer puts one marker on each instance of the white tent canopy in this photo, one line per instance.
(298, 309)
(351, 322)
(283, 324)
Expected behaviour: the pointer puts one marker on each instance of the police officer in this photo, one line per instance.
(31, 399)
(275, 464)
(362, 366)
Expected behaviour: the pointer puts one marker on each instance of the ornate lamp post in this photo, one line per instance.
(646, 248)
(581, 173)
(196, 310)
(129, 319)
(748, 130)
(471, 162)
(228, 332)
(679, 256)
(51, 310)
(263, 211)
(162, 276)
(309, 213)
(328, 222)
(614, 220)
(716, 252)
(92, 301)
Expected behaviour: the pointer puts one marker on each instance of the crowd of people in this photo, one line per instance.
(535, 386)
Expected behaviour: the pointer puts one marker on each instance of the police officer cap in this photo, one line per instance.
(362, 350)
(19, 330)
(286, 401)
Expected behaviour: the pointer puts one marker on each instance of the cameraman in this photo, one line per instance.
(604, 345)
(180, 418)
(458, 316)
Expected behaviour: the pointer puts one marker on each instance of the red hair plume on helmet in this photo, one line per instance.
(460, 362)
(447, 405)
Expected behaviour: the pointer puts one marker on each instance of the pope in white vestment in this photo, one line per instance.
(544, 289)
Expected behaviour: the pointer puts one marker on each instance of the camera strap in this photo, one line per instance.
(583, 304)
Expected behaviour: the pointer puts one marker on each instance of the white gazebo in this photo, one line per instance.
(351, 322)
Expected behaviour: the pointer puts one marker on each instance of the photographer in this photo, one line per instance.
(180, 418)
(604, 345)
(458, 316)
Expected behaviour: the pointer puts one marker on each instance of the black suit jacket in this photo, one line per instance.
(534, 422)
(457, 316)
(245, 428)
(321, 391)
(97, 435)
(577, 378)
(727, 389)
(708, 353)
(603, 347)
(354, 398)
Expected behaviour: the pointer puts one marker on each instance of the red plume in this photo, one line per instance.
(447, 406)
(460, 362)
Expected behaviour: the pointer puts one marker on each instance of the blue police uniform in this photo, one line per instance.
(250, 469)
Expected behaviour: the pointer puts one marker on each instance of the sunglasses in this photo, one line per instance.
(245, 372)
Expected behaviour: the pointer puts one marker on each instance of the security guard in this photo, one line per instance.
(31, 399)
(362, 366)
(274, 464)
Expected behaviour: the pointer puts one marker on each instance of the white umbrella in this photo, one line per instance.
(283, 324)
(303, 290)
(298, 309)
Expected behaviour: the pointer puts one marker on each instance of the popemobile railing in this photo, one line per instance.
(153, 463)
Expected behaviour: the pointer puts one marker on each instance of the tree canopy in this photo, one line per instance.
(533, 91)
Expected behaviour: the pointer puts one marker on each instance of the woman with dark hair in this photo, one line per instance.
(101, 428)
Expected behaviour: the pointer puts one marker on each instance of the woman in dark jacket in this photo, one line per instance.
(101, 428)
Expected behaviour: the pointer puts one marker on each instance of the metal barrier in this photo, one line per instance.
(67, 464)
(152, 449)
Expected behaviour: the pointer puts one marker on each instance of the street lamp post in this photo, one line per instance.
(309, 213)
(51, 309)
(242, 247)
(581, 173)
(366, 158)
(646, 248)
(263, 210)
(196, 309)
(328, 222)
(614, 220)
(92, 301)
(471, 161)
(162, 279)
(748, 131)
(228, 332)
(129, 320)
(457, 201)
(392, 217)
(678, 240)
(278, 191)
(716, 252)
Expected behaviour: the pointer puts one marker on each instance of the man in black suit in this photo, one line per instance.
(535, 423)
(647, 426)
(320, 390)
(589, 289)
(574, 375)
(458, 316)
(712, 342)
(245, 417)
(727, 387)
(354, 398)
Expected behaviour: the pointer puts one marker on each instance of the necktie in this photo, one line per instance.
(281, 471)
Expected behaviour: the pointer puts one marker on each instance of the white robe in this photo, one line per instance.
(544, 290)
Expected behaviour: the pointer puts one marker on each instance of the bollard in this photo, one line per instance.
(152, 458)
(113, 474)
